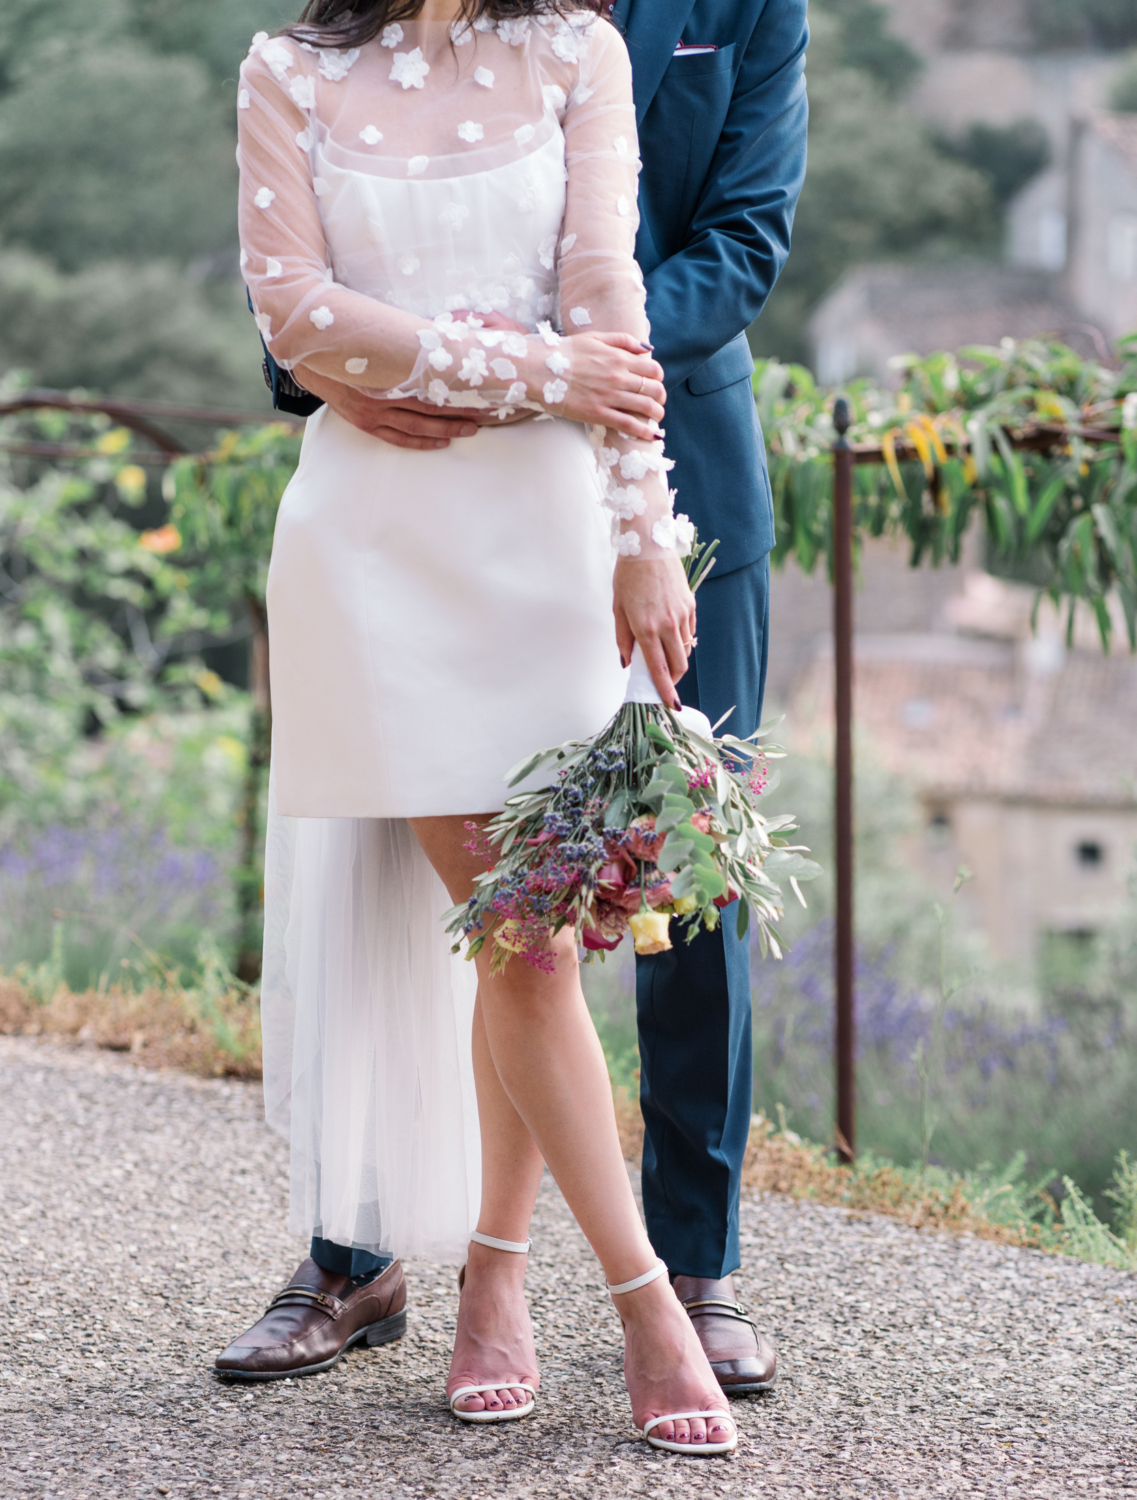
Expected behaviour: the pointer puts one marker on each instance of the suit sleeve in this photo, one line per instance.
(739, 238)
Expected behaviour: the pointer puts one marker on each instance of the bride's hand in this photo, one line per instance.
(615, 382)
(654, 606)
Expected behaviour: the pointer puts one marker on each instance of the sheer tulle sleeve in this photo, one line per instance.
(601, 285)
(305, 316)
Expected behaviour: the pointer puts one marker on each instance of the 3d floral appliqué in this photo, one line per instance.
(409, 69)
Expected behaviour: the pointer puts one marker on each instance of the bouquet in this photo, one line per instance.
(652, 822)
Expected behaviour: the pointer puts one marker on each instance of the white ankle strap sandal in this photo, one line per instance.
(658, 1270)
(692, 1450)
(689, 1450)
(514, 1247)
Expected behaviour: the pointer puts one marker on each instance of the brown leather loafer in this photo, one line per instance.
(314, 1321)
(742, 1359)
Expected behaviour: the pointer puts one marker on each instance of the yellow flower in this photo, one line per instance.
(684, 904)
(649, 928)
(509, 937)
(117, 440)
(210, 684)
(131, 479)
(165, 539)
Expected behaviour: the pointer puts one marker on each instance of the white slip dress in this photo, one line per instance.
(433, 618)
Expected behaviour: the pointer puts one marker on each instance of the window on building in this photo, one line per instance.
(1123, 247)
(1052, 239)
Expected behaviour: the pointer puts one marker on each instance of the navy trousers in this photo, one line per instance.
(693, 1003)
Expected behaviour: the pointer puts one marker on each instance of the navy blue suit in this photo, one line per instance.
(722, 137)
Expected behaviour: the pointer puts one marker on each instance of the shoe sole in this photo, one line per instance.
(386, 1331)
(752, 1388)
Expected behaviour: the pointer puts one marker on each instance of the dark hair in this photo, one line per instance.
(352, 23)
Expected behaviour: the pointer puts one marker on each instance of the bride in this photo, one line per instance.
(438, 200)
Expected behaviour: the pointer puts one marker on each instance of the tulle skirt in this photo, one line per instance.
(366, 1019)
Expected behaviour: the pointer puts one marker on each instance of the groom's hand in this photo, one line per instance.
(403, 424)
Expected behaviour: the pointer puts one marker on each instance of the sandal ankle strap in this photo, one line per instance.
(658, 1270)
(515, 1247)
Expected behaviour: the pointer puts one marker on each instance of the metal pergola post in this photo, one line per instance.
(843, 776)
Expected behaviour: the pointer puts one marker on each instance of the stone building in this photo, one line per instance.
(1022, 753)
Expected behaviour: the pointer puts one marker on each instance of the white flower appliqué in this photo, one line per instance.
(665, 532)
(514, 32)
(417, 165)
(273, 267)
(334, 65)
(303, 91)
(504, 369)
(627, 503)
(243, 100)
(580, 316)
(461, 32)
(637, 464)
(515, 344)
(516, 393)
(392, 35)
(558, 363)
(567, 243)
(429, 339)
(304, 139)
(409, 68)
(408, 263)
(628, 544)
(567, 45)
(264, 197)
(321, 186)
(620, 145)
(484, 76)
(473, 370)
(264, 326)
(258, 41)
(439, 359)
(622, 206)
(453, 216)
(524, 134)
(244, 258)
(323, 317)
(555, 97)
(546, 251)
(554, 392)
(470, 130)
(548, 335)
(437, 392)
(278, 57)
(370, 135)
(355, 366)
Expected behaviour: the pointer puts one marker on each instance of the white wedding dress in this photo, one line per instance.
(433, 616)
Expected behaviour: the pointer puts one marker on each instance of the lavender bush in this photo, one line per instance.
(88, 898)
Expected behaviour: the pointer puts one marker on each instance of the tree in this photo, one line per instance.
(877, 185)
(1084, 23)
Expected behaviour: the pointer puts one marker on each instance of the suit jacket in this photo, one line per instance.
(722, 138)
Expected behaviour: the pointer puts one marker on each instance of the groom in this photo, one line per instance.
(721, 107)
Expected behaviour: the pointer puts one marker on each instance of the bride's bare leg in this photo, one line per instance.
(551, 1068)
(494, 1338)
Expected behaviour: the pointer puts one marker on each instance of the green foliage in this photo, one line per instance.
(1123, 90)
(867, 45)
(1072, 510)
(1007, 155)
(1084, 23)
(117, 126)
(126, 329)
(877, 186)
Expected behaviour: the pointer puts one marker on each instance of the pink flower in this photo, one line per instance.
(659, 894)
(615, 880)
(701, 821)
(641, 839)
(606, 930)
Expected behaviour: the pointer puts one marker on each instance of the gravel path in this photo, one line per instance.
(145, 1215)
